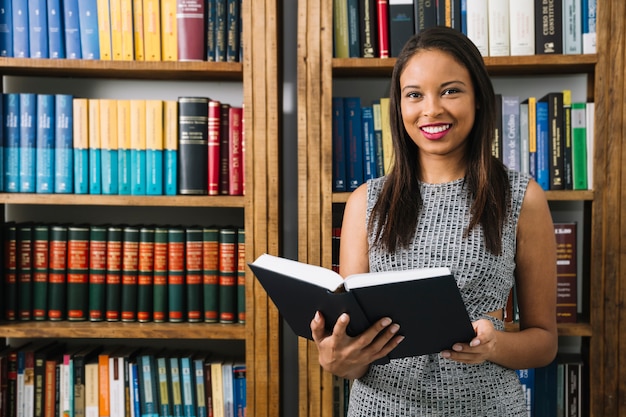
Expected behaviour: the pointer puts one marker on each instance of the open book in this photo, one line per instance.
(426, 303)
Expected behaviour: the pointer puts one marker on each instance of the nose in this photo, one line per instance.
(432, 105)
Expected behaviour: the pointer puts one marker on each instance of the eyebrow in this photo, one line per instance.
(446, 84)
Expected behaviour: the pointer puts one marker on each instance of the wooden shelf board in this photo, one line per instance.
(565, 195)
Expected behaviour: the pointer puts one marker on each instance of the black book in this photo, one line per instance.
(367, 28)
(548, 27)
(401, 24)
(426, 303)
(425, 12)
(555, 140)
(193, 143)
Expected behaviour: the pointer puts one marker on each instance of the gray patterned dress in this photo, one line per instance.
(430, 385)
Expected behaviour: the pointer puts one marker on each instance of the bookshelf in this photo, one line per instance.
(257, 210)
(599, 325)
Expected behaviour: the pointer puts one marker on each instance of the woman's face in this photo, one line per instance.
(437, 103)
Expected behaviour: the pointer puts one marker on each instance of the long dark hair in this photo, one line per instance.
(394, 218)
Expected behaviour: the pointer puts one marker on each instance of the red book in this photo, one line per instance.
(235, 140)
(190, 30)
(382, 17)
(214, 147)
(241, 275)
(566, 272)
(224, 147)
(77, 272)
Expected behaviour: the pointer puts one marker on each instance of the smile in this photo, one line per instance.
(435, 129)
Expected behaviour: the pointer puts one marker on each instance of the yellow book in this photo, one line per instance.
(152, 30)
(169, 41)
(154, 147)
(91, 390)
(170, 144)
(104, 29)
(532, 124)
(126, 19)
(116, 29)
(217, 388)
(138, 39)
(123, 146)
(386, 129)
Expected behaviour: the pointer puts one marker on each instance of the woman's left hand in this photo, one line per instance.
(479, 349)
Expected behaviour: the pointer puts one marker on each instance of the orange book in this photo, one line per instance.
(138, 39)
(104, 29)
(115, 10)
(169, 37)
(126, 20)
(152, 30)
(104, 406)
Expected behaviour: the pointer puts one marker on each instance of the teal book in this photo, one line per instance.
(63, 144)
(154, 171)
(80, 111)
(148, 394)
(38, 28)
(154, 147)
(170, 162)
(164, 385)
(193, 273)
(109, 166)
(11, 107)
(97, 272)
(138, 172)
(45, 144)
(6, 29)
(176, 274)
(227, 275)
(56, 42)
(130, 265)
(200, 386)
(71, 29)
(187, 385)
(28, 133)
(543, 150)
(123, 146)
(19, 14)
(57, 273)
(88, 29)
(176, 386)
(170, 147)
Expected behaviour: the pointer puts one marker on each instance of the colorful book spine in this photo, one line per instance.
(145, 274)
(193, 273)
(63, 144)
(542, 154)
(104, 29)
(169, 30)
(71, 29)
(9, 279)
(138, 147)
(24, 271)
(236, 152)
(38, 29)
(159, 290)
(28, 134)
(97, 272)
(123, 147)
(382, 28)
(80, 111)
(115, 15)
(57, 273)
(170, 144)
(496, 144)
(147, 382)
(130, 266)
(163, 382)
(192, 146)
(588, 26)
(200, 389)
(187, 384)
(176, 273)
(210, 274)
(340, 29)
(511, 132)
(6, 29)
(21, 44)
(213, 160)
(151, 30)
(338, 140)
(41, 252)
(88, 29)
(126, 24)
(77, 273)
(11, 107)
(176, 388)
(224, 148)
(109, 146)
(228, 275)
(369, 143)
(566, 272)
(154, 147)
(113, 273)
(190, 27)
(579, 146)
(95, 148)
(239, 388)
(566, 140)
(233, 31)
(555, 140)
(45, 148)
(532, 136)
(138, 31)
(241, 275)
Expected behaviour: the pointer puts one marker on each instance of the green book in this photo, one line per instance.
(130, 265)
(24, 271)
(41, 251)
(176, 273)
(579, 146)
(77, 272)
(159, 288)
(57, 272)
(113, 283)
(145, 274)
(241, 275)
(97, 272)
(210, 274)
(193, 273)
(228, 275)
(10, 271)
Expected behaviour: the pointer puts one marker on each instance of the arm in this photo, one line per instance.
(536, 343)
(345, 356)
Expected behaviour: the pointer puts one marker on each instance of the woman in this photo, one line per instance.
(448, 202)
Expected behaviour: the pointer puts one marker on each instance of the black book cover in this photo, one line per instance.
(401, 24)
(548, 27)
(193, 136)
(367, 29)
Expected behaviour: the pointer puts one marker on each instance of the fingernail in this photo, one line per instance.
(399, 339)
(458, 348)
(343, 317)
(475, 342)
(317, 316)
(445, 354)
(386, 322)
(394, 328)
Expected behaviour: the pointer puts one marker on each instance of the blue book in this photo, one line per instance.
(369, 143)
(11, 107)
(239, 388)
(45, 144)
(123, 147)
(511, 132)
(170, 161)
(199, 383)
(353, 128)
(95, 148)
(28, 134)
(177, 394)
(138, 171)
(38, 28)
(354, 38)
(545, 390)
(6, 28)
(80, 115)
(134, 388)
(63, 144)
(339, 147)
(154, 147)
(211, 24)
(165, 398)
(542, 168)
(221, 16)
(56, 41)
(464, 17)
(71, 29)
(148, 393)
(187, 383)
(233, 30)
(19, 14)
(108, 147)
(88, 25)
(170, 147)
(527, 379)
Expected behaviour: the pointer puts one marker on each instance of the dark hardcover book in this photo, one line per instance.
(568, 163)
(210, 274)
(353, 126)
(555, 140)
(210, 29)
(159, 288)
(44, 144)
(449, 13)
(227, 275)
(224, 148)
(193, 273)
(11, 107)
(38, 29)
(97, 272)
(57, 284)
(425, 14)
(548, 27)
(566, 272)
(239, 388)
(339, 147)
(88, 29)
(48, 352)
(56, 42)
(191, 30)
(367, 28)
(28, 134)
(176, 274)
(148, 393)
(213, 160)
(241, 275)
(130, 265)
(401, 24)
(77, 272)
(41, 252)
(221, 34)
(573, 387)
(546, 390)
(299, 290)
(369, 143)
(9, 288)
(113, 284)
(496, 145)
(354, 35)
(208, 389)
(193, 115)
(50, 390)
(145, 274)
(235, 151)
(6, 31)
(24, 271)
(11, 410)
(382, 27)
(233, 30)
(21, 44)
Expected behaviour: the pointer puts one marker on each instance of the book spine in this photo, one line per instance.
(542, 153)
(338, 139)
(21, 44)
(208, 389)
(6, 29)
(382, 27)
(104, 385)
(341, 42)
(210, 274)
(57, 273)
(555, 141)
(228, 275)
(109, 147)
(193, 273)
(176, 273)
(369, 143)
(126, 25)
(169, 30)
(498, 18)
(236, 152)
(24, 271)
(159, 290)
(579, 146)
(88, 29)
(522, 27)
(115, 14)
(10, 271)
(151, 30)
(38, 29)
(71, 29)
(113, 273)
(572, 27)
(123, 147)
(548, 27)
(176, 389)
(224, 148)
(213, 160)
(192, 146)
(401, 24)
(241, 275)
(145, 275)
(191, 32)
(28, 133)
(524, 136)
(41, 251)
(97, 272)
(354, 142)
(477, 25)
(198, 384)
(138, 30)
(189, 403)
(148, 392)
(532, 136)
(367, 29)
(154, 147)
(95, 148)
(566, 132)
(496, 144)
(589, 26)
(50, 387)
(130, 265)
(511, 132)
(104, 25)
(133, 391)
(117, 399)
(138, 147)
(163, 387)
(170, 143)
(11, 107)
(233, 31)
(567, 272)
(386, 134)
(63, 144)
(80, 133)
(354, 41)
(221, 16)
(210, 29)
(77, 273)
(239, 388)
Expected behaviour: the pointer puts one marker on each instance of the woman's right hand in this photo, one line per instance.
(350, 357)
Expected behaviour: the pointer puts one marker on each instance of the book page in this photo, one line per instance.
(387, 277)
(316, 275)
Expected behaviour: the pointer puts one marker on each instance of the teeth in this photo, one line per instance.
(435, 129)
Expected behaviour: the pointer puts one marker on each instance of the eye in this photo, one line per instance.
(449, 91)
(413, 94)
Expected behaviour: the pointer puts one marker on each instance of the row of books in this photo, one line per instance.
(124, 30)
(555, 390)
(55, 143)
(50, 379)
(123, 272)
(379, 29)
(549, 138)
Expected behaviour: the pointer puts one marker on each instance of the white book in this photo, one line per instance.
(498, 14)
(117, 394)
(590, 158)
(522, 27)
(92, 391)
(524, 136)
(227, 384)
(511, 132)
(478, 24)
(572, 27)
(589, 27)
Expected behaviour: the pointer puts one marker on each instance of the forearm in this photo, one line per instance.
(528, 348)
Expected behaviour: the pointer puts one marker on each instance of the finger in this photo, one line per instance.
(318, 330)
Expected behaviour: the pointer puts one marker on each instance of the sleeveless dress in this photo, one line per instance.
(430, 385)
